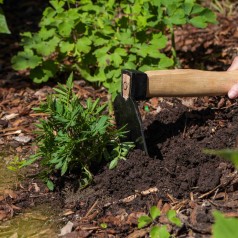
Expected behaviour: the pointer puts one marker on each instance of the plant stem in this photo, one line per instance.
(173, 49)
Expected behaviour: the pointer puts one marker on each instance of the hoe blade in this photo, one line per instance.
(127, 114)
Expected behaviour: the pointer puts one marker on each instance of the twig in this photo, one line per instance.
(10, 129)
(219, 186)
(38, 114)
(92, 207)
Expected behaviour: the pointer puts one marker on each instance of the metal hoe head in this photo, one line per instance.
(127, 114)
(133, 85)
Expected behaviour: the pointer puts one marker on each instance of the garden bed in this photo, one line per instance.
(177, 174)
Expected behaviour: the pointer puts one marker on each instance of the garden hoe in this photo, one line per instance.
(137, 85)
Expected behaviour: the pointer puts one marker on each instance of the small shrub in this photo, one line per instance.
(99, 38)
(76, 137)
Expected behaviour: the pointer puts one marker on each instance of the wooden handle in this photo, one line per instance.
(189, 82)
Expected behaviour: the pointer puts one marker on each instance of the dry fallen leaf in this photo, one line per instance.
(68, 212)
(22, 139)
(10, 116)
(66, 229)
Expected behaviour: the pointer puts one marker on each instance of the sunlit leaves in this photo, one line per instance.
(99, 38)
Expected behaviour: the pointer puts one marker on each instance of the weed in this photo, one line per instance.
(156, 230)
(76, 138)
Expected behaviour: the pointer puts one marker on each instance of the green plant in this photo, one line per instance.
(3, 22)
(15, 164)
(75, 137)
(99, 38)
(158, 231)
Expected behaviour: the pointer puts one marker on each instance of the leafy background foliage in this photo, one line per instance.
(99, 38)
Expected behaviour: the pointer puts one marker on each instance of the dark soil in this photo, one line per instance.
(177, 174)
(178, 170)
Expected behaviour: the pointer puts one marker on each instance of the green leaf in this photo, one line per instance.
(224, 227)
(83, 44)
(144, 221)
(121, 51)
(154, 212)
(66, 27)
(177, 20)
(64, 168)
(66, 47)
(113, 164)
(188, 6)
(103, 225)
(29, 161)
(58, 5)
(116, 59)
(172, 216)
(69, 82)
(45, 33)
(45, 48)
(159, 40)
(3, 23)
(50, 185)
(231, 155)
(101, 124)
(198, 21)
(159, 232)
(25, 59)
(165, 62)
(43, 73)
(209, 16)
(197, 8)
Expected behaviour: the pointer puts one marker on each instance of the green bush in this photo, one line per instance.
(99, 38)
(76, 137)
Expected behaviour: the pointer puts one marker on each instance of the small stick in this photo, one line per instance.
(92, 207)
